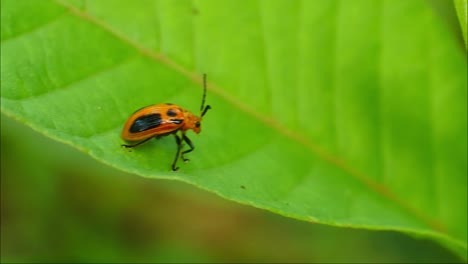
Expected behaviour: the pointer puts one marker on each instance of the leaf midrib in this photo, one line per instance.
(267, 120)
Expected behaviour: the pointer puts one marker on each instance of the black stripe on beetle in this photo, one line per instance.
(146, 122)
(171, 112)
(176, 121)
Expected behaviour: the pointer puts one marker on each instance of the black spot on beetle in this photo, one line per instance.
(145, 122)
(171, 112)
(197, 124)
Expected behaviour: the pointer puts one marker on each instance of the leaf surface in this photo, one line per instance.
(350, 113)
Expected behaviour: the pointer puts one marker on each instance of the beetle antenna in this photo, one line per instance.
(204, 93)
(206, 109)
(203, 109)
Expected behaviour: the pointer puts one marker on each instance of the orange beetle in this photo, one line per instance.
(156, 121)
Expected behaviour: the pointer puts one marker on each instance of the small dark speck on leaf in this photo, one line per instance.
(243, 187)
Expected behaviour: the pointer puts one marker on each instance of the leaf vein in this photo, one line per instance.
(87, 76)
(33, 29)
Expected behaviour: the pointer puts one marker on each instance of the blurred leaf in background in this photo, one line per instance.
(462, 11)
(349, 113)
(58, 205)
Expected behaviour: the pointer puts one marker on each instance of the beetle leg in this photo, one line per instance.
(137, 144)
(189, 142)
(179, 146)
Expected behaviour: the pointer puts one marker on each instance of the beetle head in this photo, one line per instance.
(192, 122)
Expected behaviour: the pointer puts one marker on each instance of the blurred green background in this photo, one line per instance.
(58, 204)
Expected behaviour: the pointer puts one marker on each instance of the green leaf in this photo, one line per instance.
(462, 10)
(348, 113)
